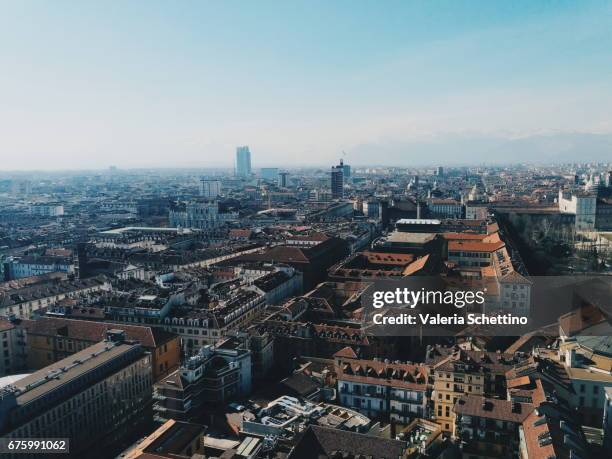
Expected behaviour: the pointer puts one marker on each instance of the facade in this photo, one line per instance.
(445, 208)
(25, 301)
(95, 395)
(28, 266)
(243, 161)
(466, 373)
(582, 205)
(279, 285)
(202, 215)
(607, 420)
(337, 181)
(12, 348)
(209, 377)
(47, 210)
(372, 209)
(50, 339)
(283, 179)
(587, 362)
(382, 390)
(208, 328)
(346, 171)
(210, 188)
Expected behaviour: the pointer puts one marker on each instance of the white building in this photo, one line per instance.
(47, 210)
(582, 205)
(445, 208)
(27, 266)
(381, 389)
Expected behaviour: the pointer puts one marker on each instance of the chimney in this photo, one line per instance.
(115, 336)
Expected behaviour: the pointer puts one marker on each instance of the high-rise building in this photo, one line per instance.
(346, 170)
(282, 179)
(243, 161)
(337, 181)
(210, 188)
(439, 171)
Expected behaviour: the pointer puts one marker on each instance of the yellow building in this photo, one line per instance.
(49, 339)
(464, 372)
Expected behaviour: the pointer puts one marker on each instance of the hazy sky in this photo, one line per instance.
(147, 83)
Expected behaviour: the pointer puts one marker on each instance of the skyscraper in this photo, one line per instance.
(282, 179)
(346, 171)
(337, 181)
(243, 161)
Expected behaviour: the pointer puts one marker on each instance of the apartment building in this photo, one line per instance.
(23, 302)
(488, 428)
(12, 348)
(34, 265)
(464, 372)
(51, 339)
(94, 396)
(382, 390)
(212, 376)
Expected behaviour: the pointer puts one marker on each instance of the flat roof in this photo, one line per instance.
(151, 229)
(418, 221)
(66, 370)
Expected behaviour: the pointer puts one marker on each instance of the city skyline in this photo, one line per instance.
(146, 85)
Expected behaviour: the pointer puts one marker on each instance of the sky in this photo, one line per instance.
(180, 84)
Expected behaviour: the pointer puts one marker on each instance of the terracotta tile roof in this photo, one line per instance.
(491, 408)
(6, 325)
(403, 375)
(94, 332)
(468, 246)
(346, 352)
(417, 266)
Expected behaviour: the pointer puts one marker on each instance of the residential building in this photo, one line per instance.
(212, 376)
(28, 266)
(172, 440)
(95, 396)
(488, 428)
(458, 372)
(12, 348)
(50, 339)
(24, 301)
(320, 441)
(382, 390)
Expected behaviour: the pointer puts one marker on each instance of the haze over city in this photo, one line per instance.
(146, 84)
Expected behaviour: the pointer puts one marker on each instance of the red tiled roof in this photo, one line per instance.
(346, 352)
(94, 332)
